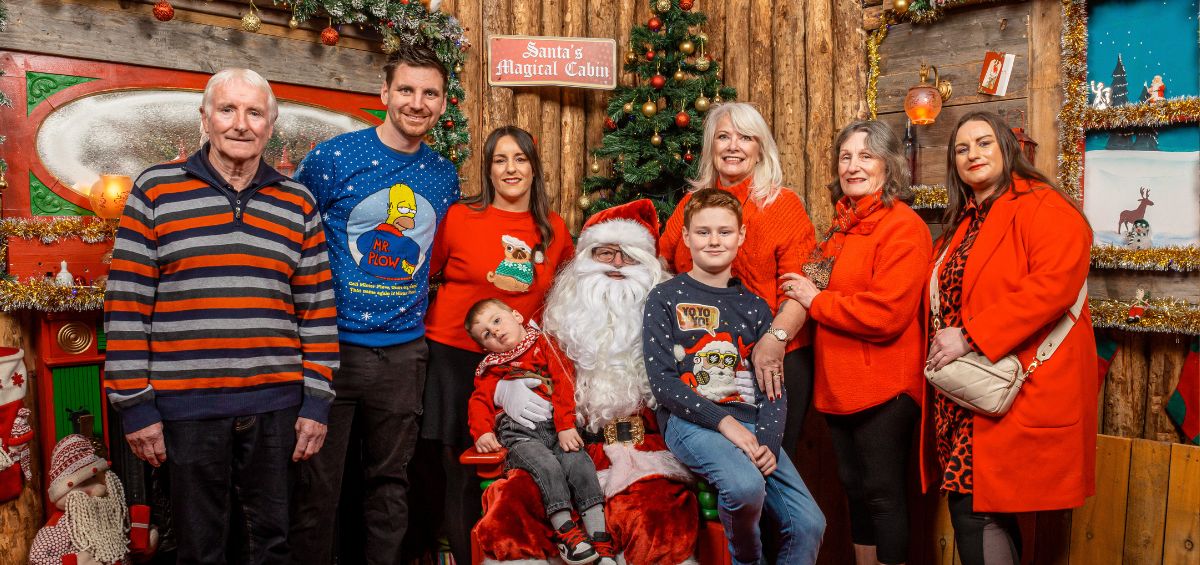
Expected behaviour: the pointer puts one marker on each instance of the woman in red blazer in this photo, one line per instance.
(1016, 255)
(869, 343)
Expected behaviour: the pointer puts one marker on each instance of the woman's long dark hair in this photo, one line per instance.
(1015, 164)
(539, 201)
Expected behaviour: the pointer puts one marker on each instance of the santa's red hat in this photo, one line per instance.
(74, 461)
(632, 223)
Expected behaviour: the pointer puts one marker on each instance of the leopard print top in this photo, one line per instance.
(953, 423)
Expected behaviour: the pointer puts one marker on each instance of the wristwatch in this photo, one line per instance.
(779, 333)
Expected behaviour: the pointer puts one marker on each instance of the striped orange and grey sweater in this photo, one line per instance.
(219, 302)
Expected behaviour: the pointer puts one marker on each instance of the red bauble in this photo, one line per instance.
(454, 100)
(654, 24)
(163, 11)
(609, 123)
(649, 54)
(449, 124)
(329, 36)
(685, 5)
(682, 119)
(658, 81)
(688, 156)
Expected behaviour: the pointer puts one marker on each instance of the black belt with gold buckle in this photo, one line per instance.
(630, 430)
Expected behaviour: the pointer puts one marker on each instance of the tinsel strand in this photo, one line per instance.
(45, 296)
(1174, 258)
(1163, 315)
(926, 196)
(90, 230)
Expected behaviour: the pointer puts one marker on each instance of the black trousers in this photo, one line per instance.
(208, 460)
(379, 398)
(983, 538)
(798, 381)
(872, 448)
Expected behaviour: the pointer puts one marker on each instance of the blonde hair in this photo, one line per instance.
(767, 174)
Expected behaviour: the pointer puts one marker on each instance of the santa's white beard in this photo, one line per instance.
(99, 523)
(597, 321)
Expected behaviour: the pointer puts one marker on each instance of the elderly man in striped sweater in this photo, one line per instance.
(222, 334)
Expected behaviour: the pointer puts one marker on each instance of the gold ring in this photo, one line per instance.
(787, 288)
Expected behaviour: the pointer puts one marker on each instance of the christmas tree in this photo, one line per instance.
(654, 128)
(1120, 139)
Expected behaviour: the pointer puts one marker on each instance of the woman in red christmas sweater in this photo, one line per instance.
(739, 155)
(868, 343)
(504, 243)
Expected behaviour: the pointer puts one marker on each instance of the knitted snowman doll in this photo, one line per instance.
(90, 523)
(15, 432)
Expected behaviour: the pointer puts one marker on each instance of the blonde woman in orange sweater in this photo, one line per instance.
(868, 343)
(739, 156)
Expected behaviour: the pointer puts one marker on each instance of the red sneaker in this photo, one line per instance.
(603, 543)
(574, 546)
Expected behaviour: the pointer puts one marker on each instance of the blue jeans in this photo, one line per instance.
(743, 493)
(210, 459)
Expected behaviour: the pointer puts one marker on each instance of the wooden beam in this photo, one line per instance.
(1167, 353)
(498, 106)
(818, 49)
(791, 102)
(1145, 517)
(527, 20)
(550, 138)
(760, 41)
(849, 64)
(1125, 387)
(90, 31)
(1045, 81)
(474, 80)
(574, 158)
(1098, 528)
(736, 62)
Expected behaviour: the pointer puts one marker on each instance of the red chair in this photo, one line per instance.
(711, 545)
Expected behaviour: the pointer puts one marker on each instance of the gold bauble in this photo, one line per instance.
(717, 99)
(390, 43)
(662, 6)
(595, 168)
(627, 108)
(458, 68)
(702, 64)
(649, 109)
(584, 202)
(701, 104)
(251, 22)
(3, 182)
(900, 6)
(293, 23)
(687, 47)
(630, 57)
(656, 139)
(679, 75)
(701, 37)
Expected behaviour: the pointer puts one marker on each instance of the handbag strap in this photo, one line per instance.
(1048, 345)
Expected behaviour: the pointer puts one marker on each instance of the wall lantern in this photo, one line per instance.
(924, 101)
(108, 195)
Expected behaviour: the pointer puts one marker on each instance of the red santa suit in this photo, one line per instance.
(650, 508)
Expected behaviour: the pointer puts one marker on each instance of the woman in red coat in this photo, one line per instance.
(1016, 253)
(869, 343)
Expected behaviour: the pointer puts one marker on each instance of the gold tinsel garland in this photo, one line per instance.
(933, 14)
(45, 296)
(1174, 258)
(1164, 315)
(873, 43)
(88, 229)
(1166, 112)
(1073, 69)
(930, 196)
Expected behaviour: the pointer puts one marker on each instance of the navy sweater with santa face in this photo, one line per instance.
(695, 339)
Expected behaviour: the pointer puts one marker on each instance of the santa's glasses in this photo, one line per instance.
(723, 359)
(609, 254)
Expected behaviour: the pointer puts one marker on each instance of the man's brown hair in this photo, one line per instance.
(417, 55)
(711, 198)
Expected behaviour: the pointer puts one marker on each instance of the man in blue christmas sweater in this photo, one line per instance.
(382, 193)
(698, 331)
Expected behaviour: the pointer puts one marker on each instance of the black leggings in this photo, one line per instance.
(872, 449)
(983, 538)
(798, 381)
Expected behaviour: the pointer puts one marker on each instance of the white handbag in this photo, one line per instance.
(977, 384)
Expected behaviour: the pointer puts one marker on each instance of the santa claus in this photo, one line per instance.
(595, 312)
(90, 522)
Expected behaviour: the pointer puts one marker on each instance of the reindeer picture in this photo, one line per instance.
(1128, 217)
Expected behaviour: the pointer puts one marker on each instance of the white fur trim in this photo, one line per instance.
(624, 232)
(555, 561)
(630, 465)
(515, 242)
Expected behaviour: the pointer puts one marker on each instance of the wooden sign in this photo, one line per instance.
(582, 62)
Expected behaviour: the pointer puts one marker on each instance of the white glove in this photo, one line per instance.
(518, 400)
(744, 380)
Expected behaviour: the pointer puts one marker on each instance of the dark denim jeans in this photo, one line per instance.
(208, 461)
(379, 398)
(561, 476)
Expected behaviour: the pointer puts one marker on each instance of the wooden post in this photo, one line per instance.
(573, 167)
(21, 518)
(474, 79)
(819, 68)
(1045, 82)
(1167, 353)
(736, 62)
(498, 107)
(849, 64)
(527, 20)
(1125, 389)
(550, 138)
(761, 74)
(791, 107)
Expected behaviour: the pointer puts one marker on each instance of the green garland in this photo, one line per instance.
(410, 22)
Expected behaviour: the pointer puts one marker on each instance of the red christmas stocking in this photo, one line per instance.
(15, 432)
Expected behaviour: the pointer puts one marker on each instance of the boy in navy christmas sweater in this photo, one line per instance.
(698, 332)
